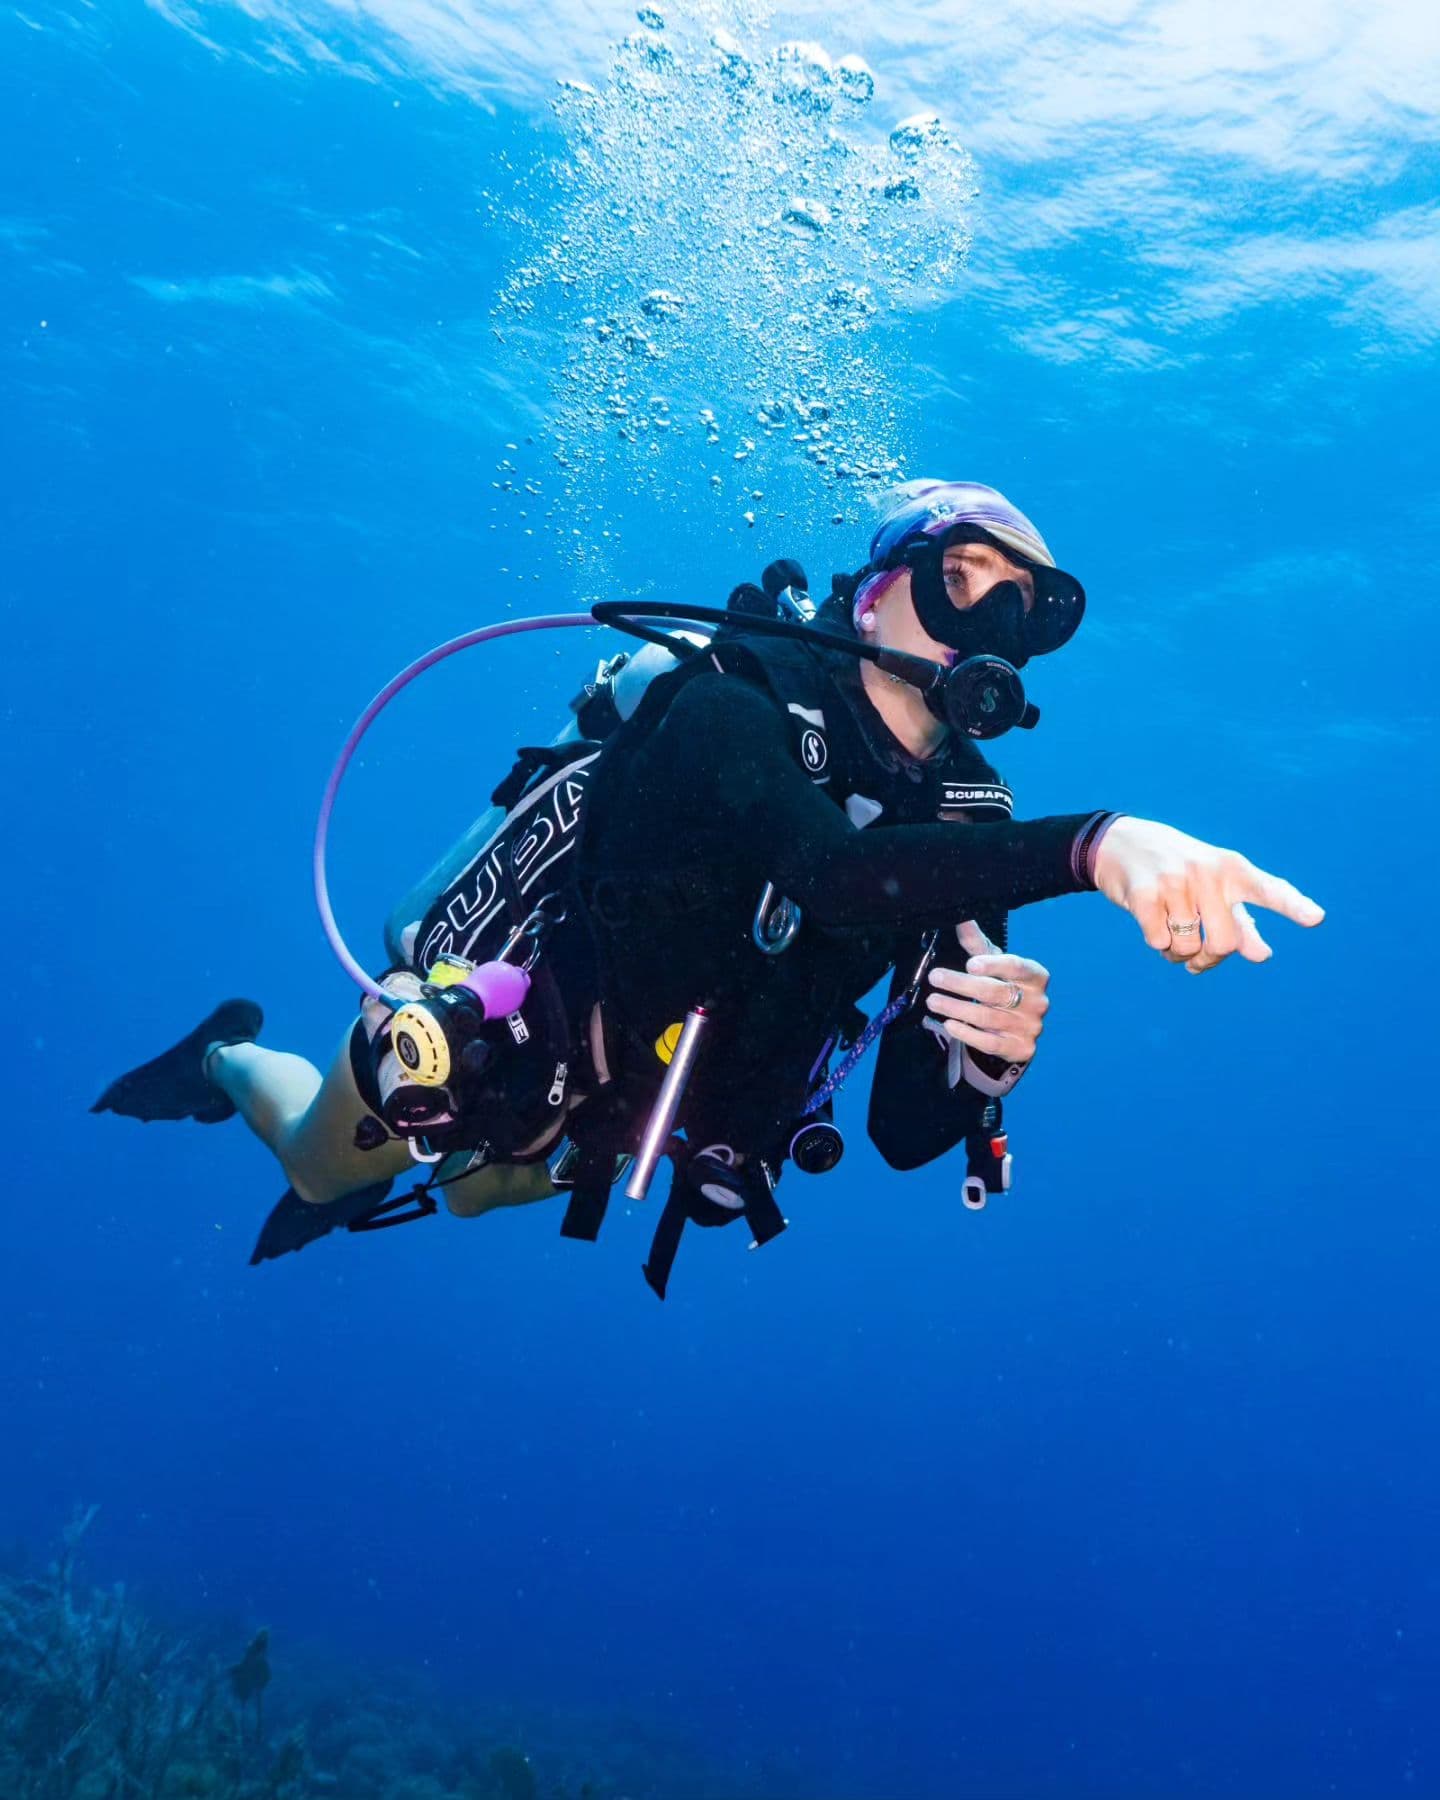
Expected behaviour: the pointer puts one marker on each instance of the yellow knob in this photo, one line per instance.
(448, 970)
(667, 1040)
(420, 1045)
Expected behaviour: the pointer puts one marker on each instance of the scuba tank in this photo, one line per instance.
(610, 697)
(464, 1052)
(447, 1063)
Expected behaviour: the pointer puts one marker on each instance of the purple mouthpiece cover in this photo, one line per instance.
(500, 987)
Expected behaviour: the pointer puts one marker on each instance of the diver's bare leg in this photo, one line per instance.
(306, 1119)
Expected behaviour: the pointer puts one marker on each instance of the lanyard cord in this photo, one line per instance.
(852, 1058)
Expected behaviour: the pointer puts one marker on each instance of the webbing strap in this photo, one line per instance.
(590, 1193)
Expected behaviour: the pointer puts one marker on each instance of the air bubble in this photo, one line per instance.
(808, 215)
(917, 134)
(735, 65)
(660, 303)
(804, 77)
(853, 299)
(855, 79)
(651, 52)
(646, 258)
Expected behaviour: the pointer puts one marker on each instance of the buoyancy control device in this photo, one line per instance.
(472, 990)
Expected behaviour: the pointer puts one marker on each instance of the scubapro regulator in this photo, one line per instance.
(439, 1047)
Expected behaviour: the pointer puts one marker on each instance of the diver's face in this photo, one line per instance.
(894, 622)
(971, 570)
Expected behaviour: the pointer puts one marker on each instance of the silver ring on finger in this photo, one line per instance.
(1183, 927)
(1017, 994)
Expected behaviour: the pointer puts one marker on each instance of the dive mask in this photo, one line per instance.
(997, 625)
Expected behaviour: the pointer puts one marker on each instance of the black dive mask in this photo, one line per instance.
(993, 626)
(997, 624)
(982, 694)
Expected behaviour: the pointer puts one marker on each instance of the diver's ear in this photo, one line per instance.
(867, 621)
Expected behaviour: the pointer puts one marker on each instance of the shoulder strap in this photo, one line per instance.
(795, 679)
(531, 760)
(789, 674)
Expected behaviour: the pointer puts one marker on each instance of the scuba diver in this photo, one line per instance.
(654, 945)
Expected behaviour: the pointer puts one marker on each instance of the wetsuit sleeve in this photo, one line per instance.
(724, 739)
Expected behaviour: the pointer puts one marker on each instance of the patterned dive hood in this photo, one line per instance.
(929, 509)
(934, 513)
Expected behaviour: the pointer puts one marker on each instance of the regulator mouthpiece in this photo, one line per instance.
(984, 697)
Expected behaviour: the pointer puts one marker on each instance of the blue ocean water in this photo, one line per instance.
(1126, 1486)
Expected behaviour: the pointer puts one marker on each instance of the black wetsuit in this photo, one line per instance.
(753, 765)
(701, 801)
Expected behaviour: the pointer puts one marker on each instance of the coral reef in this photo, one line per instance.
(97, 1702)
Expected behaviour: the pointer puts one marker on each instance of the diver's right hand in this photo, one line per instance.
(1188, 897)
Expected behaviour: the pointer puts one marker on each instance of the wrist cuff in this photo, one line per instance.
(1086, 844)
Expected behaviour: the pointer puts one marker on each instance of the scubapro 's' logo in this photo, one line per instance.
(814, 752)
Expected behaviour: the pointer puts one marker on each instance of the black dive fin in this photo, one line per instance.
(174, 1085)
(294, 1223)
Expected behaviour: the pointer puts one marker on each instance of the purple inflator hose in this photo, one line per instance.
(483, 635)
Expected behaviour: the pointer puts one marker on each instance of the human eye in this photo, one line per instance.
(957, 578)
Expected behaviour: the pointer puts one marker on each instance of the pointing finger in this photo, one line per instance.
(1278, 895)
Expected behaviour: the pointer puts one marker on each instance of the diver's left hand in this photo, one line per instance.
(984, 1012)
